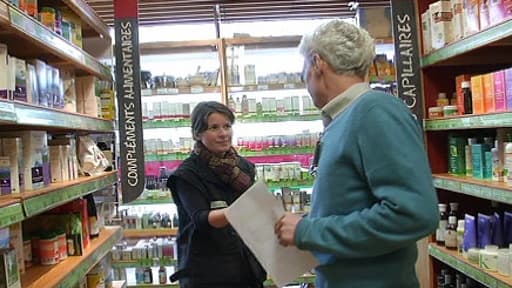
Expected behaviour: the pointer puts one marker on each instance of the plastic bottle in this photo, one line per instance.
(460, 236)
(467, 97)
(450, 234)
(162, 273)
(497, 170)
(508, 161)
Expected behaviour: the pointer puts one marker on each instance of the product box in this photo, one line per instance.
(458, 19)
(13, 149)
(441, 17)
(36, 166)
(483, 7)
(508, 88)
(497, 11)
(458, 90)
(499, 91)
(78, 206)
(32, 86)
(477, 92)
(478, 160)
(4, 68)
(42, 83)
(20, 80)
(56, 164)
(489, 103)
(472, 17)
(9, 271)
(5, 176)
(87, 102)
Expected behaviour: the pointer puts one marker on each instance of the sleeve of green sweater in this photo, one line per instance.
(396, 169)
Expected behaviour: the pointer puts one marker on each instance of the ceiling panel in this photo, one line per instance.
(154, 12)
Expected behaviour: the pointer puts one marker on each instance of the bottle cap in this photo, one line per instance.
(441, 95)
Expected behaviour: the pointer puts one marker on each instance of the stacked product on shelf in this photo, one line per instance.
(467, 138)
(49, 93)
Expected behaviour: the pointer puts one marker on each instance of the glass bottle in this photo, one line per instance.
(162, 273)
(467, 97)
(450, 234)
(443, 221)
(454, 211)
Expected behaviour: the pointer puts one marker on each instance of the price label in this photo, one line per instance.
(289, 86)
(4, 12)
(196, 89)
(173, 91)
(262, 87)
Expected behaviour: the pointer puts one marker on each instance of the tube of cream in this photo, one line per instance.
(469, 232)
(497, 230)
(484, 230)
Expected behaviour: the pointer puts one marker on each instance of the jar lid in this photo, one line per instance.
(465, 84)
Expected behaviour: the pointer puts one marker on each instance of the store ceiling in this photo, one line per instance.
(155, 12)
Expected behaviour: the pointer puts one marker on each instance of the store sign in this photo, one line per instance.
(405, 35)
(129, 99)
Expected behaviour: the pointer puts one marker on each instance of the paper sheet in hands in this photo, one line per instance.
(253, 216)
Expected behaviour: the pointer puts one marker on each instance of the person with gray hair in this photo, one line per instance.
(373, 195)
(210, 252)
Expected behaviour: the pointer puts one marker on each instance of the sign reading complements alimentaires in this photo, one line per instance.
(129, 99)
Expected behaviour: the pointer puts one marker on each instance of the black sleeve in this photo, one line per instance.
(196, 206)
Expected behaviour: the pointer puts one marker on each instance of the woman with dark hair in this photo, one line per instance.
(210, 252)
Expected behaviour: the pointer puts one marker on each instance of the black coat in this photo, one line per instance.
(210, 257)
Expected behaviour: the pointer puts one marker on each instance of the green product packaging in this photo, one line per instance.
(456, 155)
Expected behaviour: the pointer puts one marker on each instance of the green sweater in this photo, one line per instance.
(373, 197)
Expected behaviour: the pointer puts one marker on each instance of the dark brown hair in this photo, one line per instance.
(204, 109)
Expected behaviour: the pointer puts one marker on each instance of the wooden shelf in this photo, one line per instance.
(266, 87)
(194, 89)
(486, 189)
(150, 233)
(27, 38)
(68, 272)
(271, 153)
(135, 263)
(40, 200)
(33, 116)
(150, 201)
(457, 262)
(460, 52)
(168, 47)
(266, 42)
(494, 120)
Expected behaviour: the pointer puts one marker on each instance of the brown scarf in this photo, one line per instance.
(227, 167)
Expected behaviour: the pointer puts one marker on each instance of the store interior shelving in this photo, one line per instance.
(483, 52)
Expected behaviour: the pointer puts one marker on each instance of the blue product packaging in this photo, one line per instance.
(469, 232)
(483, 230)
(507, 228)
(497, 230)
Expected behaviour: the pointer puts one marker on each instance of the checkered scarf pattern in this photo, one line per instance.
(226, 167)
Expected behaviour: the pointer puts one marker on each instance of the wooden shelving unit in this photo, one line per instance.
(71, 270)
(27, 38)
(150, 233)
(480, 53)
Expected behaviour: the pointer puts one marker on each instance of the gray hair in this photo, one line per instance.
(199, 116)
(347, 48)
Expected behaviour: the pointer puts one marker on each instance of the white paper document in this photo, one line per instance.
(253, 216)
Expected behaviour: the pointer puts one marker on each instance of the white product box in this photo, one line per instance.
(426, 32)
(68, 79)
(11, 76)
(13, 149)
(32, 85)
(458, 19)
(441, 23)
(20, 80)
(4, 60)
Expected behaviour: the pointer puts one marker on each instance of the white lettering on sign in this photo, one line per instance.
(406, 55)
(130, 142)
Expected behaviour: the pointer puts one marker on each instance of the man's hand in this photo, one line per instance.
(285, 229)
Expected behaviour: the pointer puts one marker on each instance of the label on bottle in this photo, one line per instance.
(441, 230)
(450, 239)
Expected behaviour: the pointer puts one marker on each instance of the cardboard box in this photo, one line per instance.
(4, 60)
(458, 19)
(13, 149)
(508, 88)
(497, 11)
(472, 17)
(9, 271)
(485, 20)
(477, 92)
(5, 176)
(499, 91)
(489, 103)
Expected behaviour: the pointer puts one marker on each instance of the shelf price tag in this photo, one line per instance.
(262, 87)
(289, 86)
(11, 214)
(4, 12)
(146, 92)
(196, 89)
